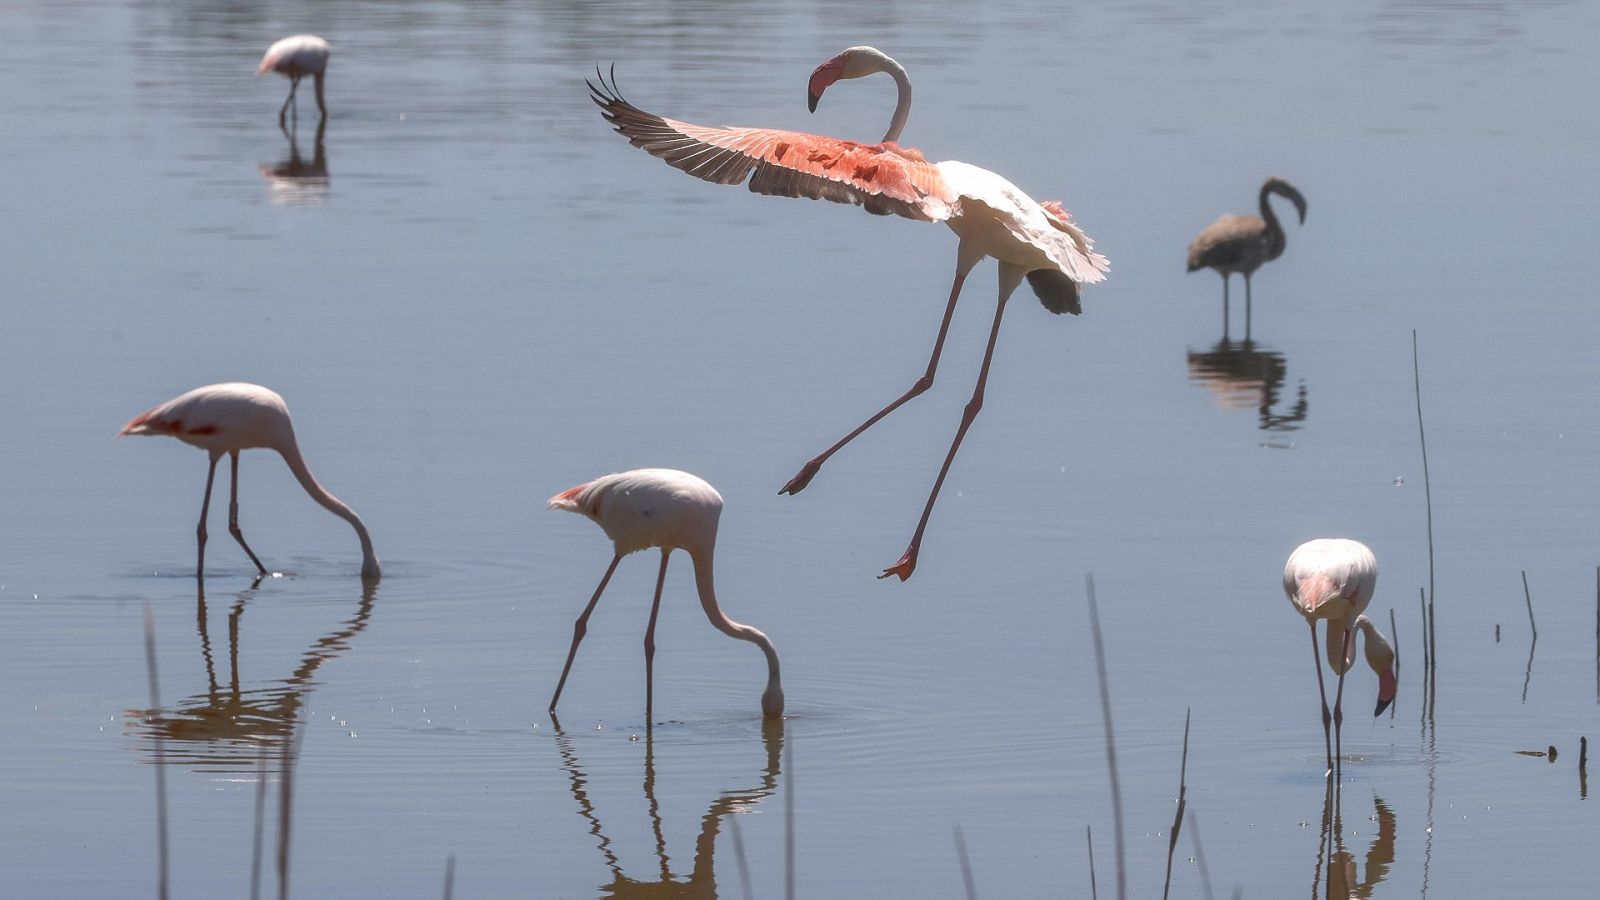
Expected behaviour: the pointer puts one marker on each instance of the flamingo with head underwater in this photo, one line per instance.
(226, 418)
(1332, 579)
(671, 510)
(295, 57)
(990, 216)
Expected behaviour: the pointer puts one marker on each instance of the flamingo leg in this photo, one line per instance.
(294, 82)
(1225, 317)
(809, 470)
(233, 514)
(1327, 717)
(1247, 306)
(579, 629)
(650, 646)
(1338, 700)
(321, 106)
(205, 508)
(908, 562)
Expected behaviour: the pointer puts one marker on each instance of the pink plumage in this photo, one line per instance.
(225, 419)
(991, 216)
(669, 510)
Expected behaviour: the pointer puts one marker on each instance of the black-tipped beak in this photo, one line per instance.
(1382, 705)
(811, 101)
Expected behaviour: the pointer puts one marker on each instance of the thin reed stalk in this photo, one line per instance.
(788, 818)
(161, 755)
(449, 876)
(261, 815)
(1394, 630)
(1094, 893)
(1177, 817)
(1427, 493)
(1199, 855)
(966, 865)
(1111, 741)
(739, 857)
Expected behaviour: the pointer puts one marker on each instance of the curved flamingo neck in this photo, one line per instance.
(902, 107)
(772, 697)
(1274, 227)
(290, 450)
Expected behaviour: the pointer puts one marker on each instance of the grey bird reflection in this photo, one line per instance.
(701, 880)
(1343, 881)
(1244, 374)
(226, 726)
(295, 181)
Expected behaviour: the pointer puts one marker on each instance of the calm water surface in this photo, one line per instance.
(473, 295)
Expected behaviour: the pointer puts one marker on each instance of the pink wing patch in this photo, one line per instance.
(884, 178)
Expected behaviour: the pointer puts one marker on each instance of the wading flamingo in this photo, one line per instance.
(671, 510)
(295, 57)
(1332, 579)
(1242, 243)
(989, 215)
(227, 418)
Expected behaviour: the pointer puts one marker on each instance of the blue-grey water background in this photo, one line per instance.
(479, 296)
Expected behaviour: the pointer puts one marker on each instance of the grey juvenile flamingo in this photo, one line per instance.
(1242, 243)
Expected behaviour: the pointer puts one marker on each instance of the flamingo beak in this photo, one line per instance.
(821, 77)
(1386, 691)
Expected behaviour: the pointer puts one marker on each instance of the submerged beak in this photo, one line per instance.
(1382, 705)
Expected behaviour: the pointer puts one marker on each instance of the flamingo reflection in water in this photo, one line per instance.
(701, 881)
(226, 726)
(1343, 882)
(294, 181)
(1242, 375)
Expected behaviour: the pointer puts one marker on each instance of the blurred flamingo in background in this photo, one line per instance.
(227, 418)
(990, 215)
(1332, 579)
(671, 510)
(1242, 243)
(295, 57)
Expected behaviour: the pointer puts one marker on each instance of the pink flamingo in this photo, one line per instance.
(989, 215)
(1332, 579)
(295, 57)
(672, 510)
(227, 418)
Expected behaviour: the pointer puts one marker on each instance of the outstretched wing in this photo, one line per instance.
(883, 178)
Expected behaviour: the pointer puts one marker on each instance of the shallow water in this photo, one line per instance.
(474, 295)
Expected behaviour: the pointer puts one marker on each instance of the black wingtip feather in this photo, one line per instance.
(1057, 292)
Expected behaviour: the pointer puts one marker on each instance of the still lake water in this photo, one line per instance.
(475, 295)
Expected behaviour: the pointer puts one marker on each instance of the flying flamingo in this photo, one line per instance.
(671, 510)
(227, 418)
(989, 214)
(1332, 579)
(1242, 243)
(295, 57)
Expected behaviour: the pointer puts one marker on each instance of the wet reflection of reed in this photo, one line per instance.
(701, 881)
(227, 726)
(294, 181)
(1243, 375)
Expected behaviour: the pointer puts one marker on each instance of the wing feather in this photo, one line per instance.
(885, 179)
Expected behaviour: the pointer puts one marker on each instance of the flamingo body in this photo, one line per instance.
(227, 418)
(1332, 579)
(670, 510)
(1235, 243)
(991, 216)
(295, 57)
